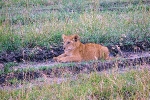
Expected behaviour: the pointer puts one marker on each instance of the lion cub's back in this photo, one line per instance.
(91, 51)
(92, 46)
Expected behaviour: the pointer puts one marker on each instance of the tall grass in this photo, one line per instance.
(41, 23)
(131, 85)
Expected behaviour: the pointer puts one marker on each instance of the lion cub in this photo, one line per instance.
(75, 51)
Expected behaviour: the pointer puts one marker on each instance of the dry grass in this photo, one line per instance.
(131, 85)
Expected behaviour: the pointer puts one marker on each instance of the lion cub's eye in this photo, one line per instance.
(68, 42)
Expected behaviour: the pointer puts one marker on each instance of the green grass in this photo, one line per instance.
(24, 25)
(130, 85)
(30, 23)
(8, 68)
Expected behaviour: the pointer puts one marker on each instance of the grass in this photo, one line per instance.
(129, 85)
(42, 24)
(10, 67)
(30, 23)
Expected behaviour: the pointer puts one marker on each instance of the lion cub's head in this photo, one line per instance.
(70, 42)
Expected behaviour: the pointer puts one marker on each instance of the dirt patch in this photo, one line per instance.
(40, 54)
(14, 78)
(138, 59)
(31, 54)
(136, 54)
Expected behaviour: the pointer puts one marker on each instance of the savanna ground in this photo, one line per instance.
(30, 30)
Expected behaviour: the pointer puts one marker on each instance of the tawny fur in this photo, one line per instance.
(75, 51)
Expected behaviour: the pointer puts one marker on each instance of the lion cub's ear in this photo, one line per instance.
(76, 37)
(63, 36)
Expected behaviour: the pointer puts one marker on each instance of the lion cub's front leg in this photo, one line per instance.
(70, 59)
(59, 57)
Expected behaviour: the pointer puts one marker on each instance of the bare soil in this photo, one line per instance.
(135, 56)
(42, 54)
(121, 63)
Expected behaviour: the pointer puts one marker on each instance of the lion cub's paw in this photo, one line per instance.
(55, 58)
(59, 59)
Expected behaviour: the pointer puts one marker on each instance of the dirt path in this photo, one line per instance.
(57, 72)
(125, 56)
(58, 80)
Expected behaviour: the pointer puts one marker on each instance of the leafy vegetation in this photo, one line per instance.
(129, 85)
(41, 23)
